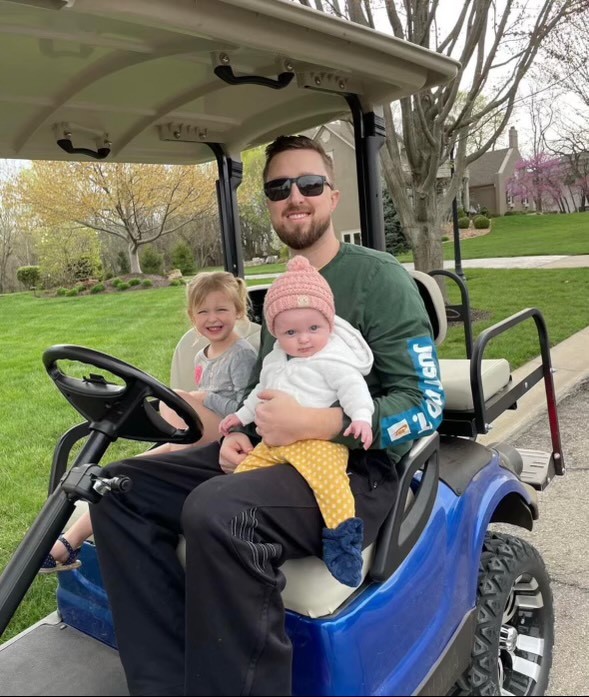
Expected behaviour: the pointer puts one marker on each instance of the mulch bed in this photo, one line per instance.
(475, 316)
(156, 282)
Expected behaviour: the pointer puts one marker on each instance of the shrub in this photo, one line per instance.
(71, 292)
(80, 287)
(152, 261)
(484, 211)
(61, 291)
(98, 288)
(462, 213)
(175, 282)
(481, 222)
(183, 258)
(445, 238)
(29, 276)
(115, 281)
(146, 283)
(464, 223)
(81, 268)
(122, 286)
(123, 264)
(395, 240)
(135, 282)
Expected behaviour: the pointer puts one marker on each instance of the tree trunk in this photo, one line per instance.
(424, 234)
(428, 252)
(134, 258)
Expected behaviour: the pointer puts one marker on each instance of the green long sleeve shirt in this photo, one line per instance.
(375, 294)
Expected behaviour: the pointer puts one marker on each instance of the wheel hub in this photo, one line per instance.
(521, 643)
(508, 639)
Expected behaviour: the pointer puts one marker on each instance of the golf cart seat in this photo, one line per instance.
(479, 390)
(455, 373)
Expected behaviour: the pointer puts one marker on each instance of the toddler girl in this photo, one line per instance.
(221, 372)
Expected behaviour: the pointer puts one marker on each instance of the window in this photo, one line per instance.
(352, 237)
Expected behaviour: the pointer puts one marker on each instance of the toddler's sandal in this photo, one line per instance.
(51, 565)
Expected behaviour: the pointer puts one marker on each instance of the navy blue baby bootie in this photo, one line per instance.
(342, 551)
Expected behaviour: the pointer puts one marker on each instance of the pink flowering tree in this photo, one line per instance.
(539, 179)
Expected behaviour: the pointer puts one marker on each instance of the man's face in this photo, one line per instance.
(300, 220)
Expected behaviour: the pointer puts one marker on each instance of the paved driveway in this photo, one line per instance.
(561, 536)
(555, 261)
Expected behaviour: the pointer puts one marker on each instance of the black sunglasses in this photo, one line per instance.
(307, 184)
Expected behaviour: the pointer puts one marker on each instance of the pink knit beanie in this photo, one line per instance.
(301, 286)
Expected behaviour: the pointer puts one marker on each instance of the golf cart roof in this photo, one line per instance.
(137, 77)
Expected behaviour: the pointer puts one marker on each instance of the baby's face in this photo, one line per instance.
(301, 332)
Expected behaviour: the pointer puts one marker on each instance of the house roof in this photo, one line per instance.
(336, 129)
(483, 170)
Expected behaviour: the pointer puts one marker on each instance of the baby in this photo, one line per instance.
(319, 359)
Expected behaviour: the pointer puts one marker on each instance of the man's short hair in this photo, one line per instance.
(284, 143)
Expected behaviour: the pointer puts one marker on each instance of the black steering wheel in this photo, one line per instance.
(121, 411)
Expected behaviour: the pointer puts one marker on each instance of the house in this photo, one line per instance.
(488, 177)
(338, 141)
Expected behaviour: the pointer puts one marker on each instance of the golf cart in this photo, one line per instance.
(446, 606)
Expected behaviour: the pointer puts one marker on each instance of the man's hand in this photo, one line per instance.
(229, 422)
(361, 430)
(234, 450)
(281, 420)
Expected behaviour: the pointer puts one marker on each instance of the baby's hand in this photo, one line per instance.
(228, 423)
(361, 430)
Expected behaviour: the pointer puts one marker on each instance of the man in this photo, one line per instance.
(218, 628)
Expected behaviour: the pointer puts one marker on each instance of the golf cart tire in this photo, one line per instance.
(506, 560)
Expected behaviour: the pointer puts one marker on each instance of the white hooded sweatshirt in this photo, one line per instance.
(334, 374)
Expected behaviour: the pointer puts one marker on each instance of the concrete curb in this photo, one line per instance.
(570, 362)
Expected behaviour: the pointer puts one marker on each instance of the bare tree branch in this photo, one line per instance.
(497, 42)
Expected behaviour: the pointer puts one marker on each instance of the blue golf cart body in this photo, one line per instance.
(388, 636)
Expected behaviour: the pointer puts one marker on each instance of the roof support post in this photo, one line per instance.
(369, 137)
(230, 176)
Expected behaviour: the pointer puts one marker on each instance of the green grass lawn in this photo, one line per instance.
(251, 270)
(525, 235)
(142, 327)
(265, 268)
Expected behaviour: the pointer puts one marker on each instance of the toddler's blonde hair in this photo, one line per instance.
(208, 282)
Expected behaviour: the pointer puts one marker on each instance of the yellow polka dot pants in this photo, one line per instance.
(322, 464)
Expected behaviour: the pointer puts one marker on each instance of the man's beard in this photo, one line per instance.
(302, 239)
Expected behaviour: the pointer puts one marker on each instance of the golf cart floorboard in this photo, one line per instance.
(538, 469)
(51, 658)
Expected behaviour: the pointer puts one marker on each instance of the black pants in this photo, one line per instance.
(219, 627)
